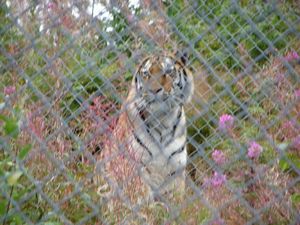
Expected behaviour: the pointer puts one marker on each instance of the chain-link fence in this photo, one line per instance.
(66, 68)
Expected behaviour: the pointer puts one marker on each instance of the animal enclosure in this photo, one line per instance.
(66, 68)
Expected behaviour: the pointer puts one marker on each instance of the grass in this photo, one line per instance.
(263, 183)
(37, 145)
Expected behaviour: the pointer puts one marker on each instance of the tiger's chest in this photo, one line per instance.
(157, 138)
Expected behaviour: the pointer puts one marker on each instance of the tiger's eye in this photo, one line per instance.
(145, 74)
(145, 69)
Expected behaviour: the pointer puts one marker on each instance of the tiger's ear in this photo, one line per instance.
(182, 56)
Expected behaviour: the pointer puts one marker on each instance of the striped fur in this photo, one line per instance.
(155, 123)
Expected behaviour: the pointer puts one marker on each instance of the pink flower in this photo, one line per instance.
(218, 156)
(254, 150)
(131, 18)
(9, 90)
(292, 55)
(218, 179)
(289, 129)
(296, 143)
(51, 5)
(226, 122)
(280, 77)
(218, 221)
(297, 93)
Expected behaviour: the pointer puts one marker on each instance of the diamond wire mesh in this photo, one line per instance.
(66, 68)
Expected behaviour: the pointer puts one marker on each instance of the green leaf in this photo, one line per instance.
(3, 204)
(11, 128)
(24, 151)
(128, 76)
(3, 118)
(295, 160)
(295, 198)
(14, 177)
(17, 219)
(283, 165)
(22, 191)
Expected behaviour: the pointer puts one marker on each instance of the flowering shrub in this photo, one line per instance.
(292, 55)
(36, 124)
(226, 122)
(216, 180)
(218, 156)
(9, 90)
(73, 135)
(99, 122)
(297, 93)
(289, 129)
(217, 221)
(254, 150)
(296, 143)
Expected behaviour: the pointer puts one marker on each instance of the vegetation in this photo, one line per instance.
(62, 81)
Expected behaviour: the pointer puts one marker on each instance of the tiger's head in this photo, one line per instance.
(164, 78)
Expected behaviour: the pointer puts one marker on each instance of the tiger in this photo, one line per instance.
(151, 129)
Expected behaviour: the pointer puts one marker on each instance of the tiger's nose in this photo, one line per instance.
(166, 83)
(160, 84)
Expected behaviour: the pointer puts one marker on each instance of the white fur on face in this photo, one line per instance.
(167, 65)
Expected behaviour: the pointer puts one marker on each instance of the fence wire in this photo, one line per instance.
(66, 69)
